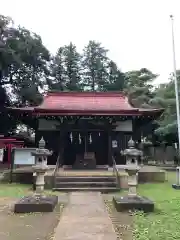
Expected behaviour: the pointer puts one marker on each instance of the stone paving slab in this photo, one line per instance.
(85, 217)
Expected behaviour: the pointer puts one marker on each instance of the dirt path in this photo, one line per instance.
(85, 217)
(36, 226)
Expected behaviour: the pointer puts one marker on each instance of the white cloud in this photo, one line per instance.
(137, 33)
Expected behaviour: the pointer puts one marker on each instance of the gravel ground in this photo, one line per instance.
(34, 226)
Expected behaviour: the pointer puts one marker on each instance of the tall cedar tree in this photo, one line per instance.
(95, 67)
(72, 65)
(57, 82)
(116, 79)
(66, 69)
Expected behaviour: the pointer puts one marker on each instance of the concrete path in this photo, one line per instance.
(85, 218)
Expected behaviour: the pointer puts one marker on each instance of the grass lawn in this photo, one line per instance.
(16, 190)
(164, 223)
(13, 190)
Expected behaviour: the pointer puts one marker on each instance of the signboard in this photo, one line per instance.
(123, 126)
(22, 156)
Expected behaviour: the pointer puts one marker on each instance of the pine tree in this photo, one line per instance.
(95, 67)
(116, 78)
(57, 82)
(138, 86)
(72, 65)
(66, 70)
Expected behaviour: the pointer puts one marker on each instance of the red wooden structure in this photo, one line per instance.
(9, 143)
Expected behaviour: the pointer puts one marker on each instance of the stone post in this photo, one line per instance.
(177, 184)
(132, 180)
(39, 184)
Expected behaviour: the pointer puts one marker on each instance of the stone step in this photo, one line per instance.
(85, 184)
(85, 179)
(86, 189)
(97, 167)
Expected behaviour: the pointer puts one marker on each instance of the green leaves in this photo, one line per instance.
(23, 60)
(66, 69)
(165, 98)
(91, 70)
(94, 64)
(139, 88)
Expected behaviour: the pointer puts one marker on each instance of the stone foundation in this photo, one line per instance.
(127, 203)
(152, 176)
(28, 178)
(31, 204)
(143, 177)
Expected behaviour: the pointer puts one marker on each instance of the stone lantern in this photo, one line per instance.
(40, 168)
(132, 201)
(131, 153)
(39, 201)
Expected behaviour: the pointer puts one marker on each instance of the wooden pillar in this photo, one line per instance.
(63, 129)
(136, 129)
(110, 162)
(61, 148)
(9, 149)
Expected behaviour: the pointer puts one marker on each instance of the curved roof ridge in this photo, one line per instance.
(88, 94)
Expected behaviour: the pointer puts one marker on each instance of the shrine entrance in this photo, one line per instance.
(85, 149)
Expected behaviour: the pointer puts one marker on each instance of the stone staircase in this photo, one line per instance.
(101, 183)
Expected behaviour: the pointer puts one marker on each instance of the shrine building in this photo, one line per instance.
(84, 129)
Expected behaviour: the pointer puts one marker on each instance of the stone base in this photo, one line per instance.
(127, 203)
(42, 203)
(176, 186)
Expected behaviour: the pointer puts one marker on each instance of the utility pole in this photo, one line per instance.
(175, 82)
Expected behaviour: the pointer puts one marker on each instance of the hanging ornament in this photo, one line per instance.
(71, 137)
(99, 134)
(90, 139)
(1, 154)
(142, 139)
(79, 138)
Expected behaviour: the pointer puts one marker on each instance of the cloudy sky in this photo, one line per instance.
(137, 32)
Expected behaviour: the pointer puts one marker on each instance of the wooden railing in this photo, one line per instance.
(116, 173)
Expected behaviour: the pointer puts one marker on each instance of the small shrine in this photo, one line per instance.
(84, 129)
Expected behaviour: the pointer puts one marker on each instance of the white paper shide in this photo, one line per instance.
(1, 154)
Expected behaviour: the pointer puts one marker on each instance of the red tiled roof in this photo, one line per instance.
(85, 102)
